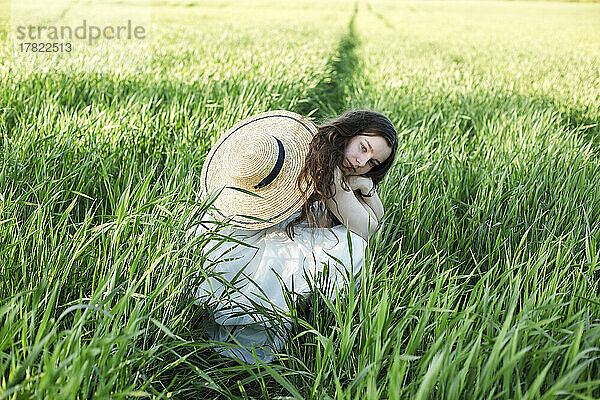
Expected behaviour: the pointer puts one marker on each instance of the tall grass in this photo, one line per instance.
(483, 283)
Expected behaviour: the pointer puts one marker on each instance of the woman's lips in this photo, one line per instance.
(350, 165)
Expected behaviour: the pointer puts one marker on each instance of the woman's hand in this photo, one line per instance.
(355, 182)
(362, 183)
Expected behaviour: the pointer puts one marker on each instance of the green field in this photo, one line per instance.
(483, 284)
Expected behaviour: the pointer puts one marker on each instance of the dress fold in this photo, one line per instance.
(244, 286)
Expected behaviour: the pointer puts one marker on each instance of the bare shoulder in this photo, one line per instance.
(345, 206)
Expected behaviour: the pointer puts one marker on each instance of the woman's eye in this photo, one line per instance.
(363, 147)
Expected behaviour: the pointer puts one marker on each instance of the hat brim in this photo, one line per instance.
(261, 208)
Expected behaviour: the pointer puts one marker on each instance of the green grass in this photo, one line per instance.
(484, 283)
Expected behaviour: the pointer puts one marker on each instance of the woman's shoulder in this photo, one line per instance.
(343, 200)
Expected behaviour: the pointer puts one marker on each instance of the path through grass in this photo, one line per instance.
(484, 282)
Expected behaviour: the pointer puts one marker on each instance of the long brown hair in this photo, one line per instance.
(326, 152)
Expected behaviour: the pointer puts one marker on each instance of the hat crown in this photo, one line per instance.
(252, 159)
(263, 155)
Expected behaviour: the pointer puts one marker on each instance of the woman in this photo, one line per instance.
(355, 150)
(280, 181)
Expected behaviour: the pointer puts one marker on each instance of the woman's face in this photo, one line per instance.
(364, 152)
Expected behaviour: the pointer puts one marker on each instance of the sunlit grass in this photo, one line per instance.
(483, 283)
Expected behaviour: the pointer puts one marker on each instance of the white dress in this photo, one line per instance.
(243, 285)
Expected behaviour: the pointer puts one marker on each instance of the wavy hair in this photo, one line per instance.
(326, 151)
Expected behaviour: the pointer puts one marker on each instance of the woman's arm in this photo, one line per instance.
(372, 203)
(350, 211)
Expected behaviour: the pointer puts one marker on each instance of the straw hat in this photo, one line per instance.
(262, 155)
